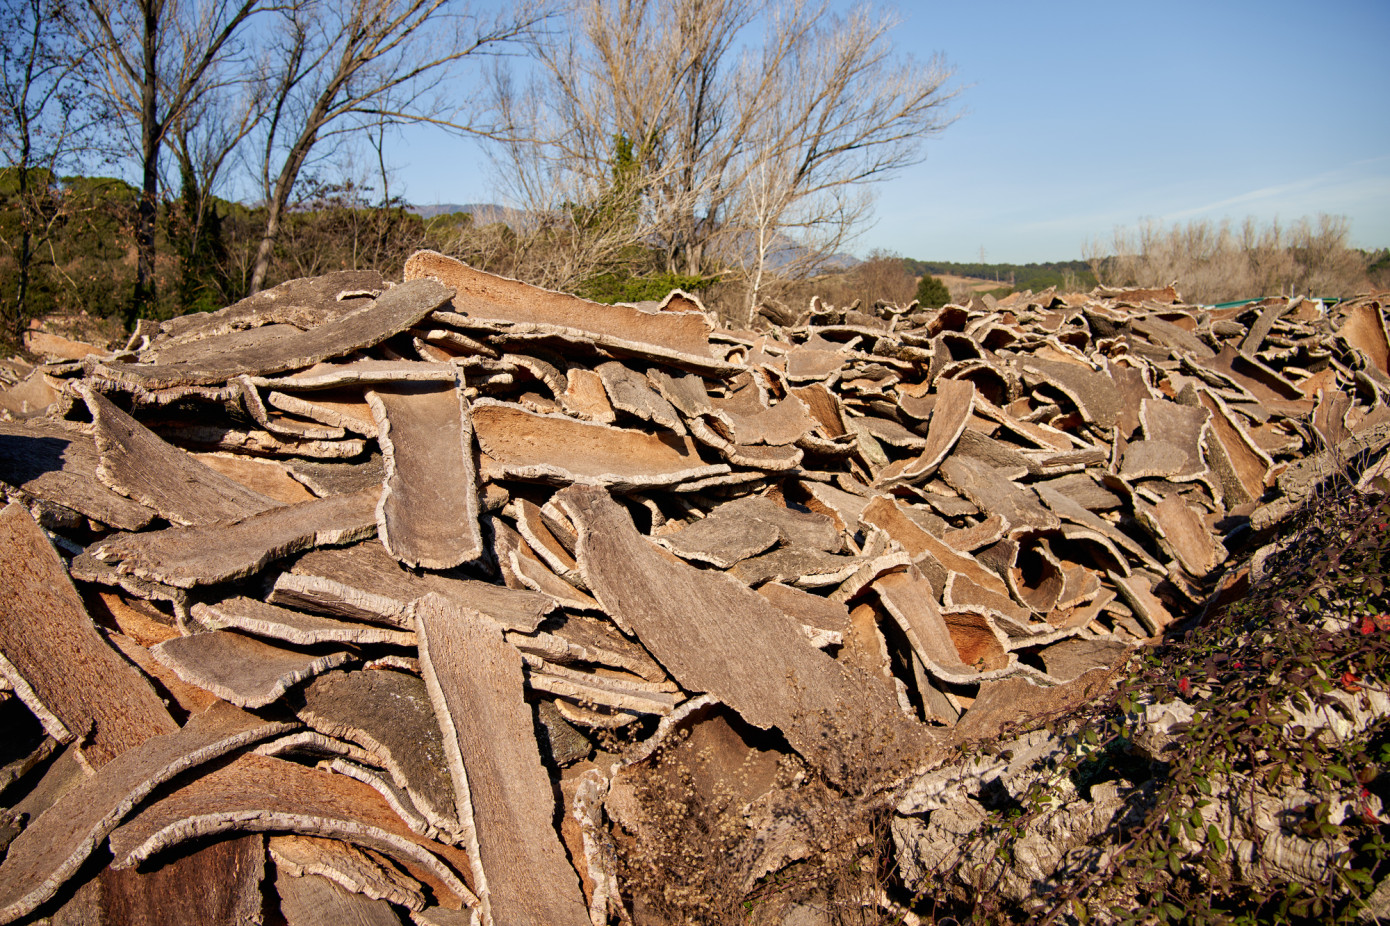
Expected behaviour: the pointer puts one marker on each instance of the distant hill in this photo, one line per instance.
(1036, 277)
(483, 213)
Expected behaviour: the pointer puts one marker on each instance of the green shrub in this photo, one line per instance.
(614, 287)
(932, 293)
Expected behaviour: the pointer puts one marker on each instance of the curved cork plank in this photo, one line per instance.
(304, 303)
(185, 557)
(390, 715)
(475, 679)
(315, 900)
(58, 463)
(58, 841)
(631, 392)
(360, 373)
(258, 794)
(360, 871)
(994, 494)
(57, 662)
(555, 448)
(428, 512)
(955, 403)
(680, 338)
(262, 475)
(268, 620)
(138, 464)
(243, 670)
(396, 310)
(716, 635)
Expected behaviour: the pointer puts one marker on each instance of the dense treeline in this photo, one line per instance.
(1066, 274)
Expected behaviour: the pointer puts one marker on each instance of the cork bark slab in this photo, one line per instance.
(955, 402)
(474, 677)
(54, 846)
(428, 513)
(395, 310)
(312, 900)
(57, 662)
(630, 392)
(138, 464)
(360, 871)
(554, 448)
(716, 635)
(256, 793)
(58, 464)
(243, 670)
(185, 557)
(228, 876)
(390, 715)
(332, 376)
(277, 623)
(675, 337)
(304, 303)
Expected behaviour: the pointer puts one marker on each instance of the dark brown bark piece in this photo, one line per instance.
(1364, 329)
(716, 635)
(57, 662)
(557, 449)
(798, 566)
(1015, 700)
(261, 475)
(312, 900)
(256, 793)
(267, 620)
(304, 303)
(241, 669)
(1240, 464)
(474, 677)
(219, 883)
(390, 715)
(886, 514)
(56, 844)
(680, 338)
(363, 582)
(1181, 425)
(58, 463)
(428, 513)
(141, 466)
(395, 310)
(810, 609)
(1071, 659)
(185, 557)
(584, 397)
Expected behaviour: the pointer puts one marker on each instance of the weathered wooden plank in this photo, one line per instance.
(714, 634)
(679, 338)
(58, 463)
(555, 448)
(390, 715)
(241, 669)
(428, 512)
(475, 679)
(54, 846)
(185, 557)
(138, 464)
(395, 310)
(56, 660)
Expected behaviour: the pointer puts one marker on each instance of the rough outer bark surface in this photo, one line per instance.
(475, 678)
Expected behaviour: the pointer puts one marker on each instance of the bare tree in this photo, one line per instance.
(156, 57)
(343, 66)
(755, 124)
(48, 122)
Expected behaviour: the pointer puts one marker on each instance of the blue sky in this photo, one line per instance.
(1078, 118)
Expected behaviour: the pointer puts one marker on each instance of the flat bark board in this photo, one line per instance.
(714, 634)
(555, 448)
(721, 542)
(475, 680)
(810, 609)
(778, 425)
(1156, 459)
(686, 392)
(995, 494)
(801, 529)
(1073, 658)
(523, 570)
(363, 582)
(1082, 489)
(243, 670)
(255, 793)
(181, 698)
(313, 900)
(186, 557)
(630, 392)
(1000, 456)
(1187, 536)
(139, 465)
(337, 408)
(55, 844)
(428, 513)
(32, 397)
(1330, 416)
(390, 715)
(800, 566)
(65, 672)
(304, 303)
(679, 338)
(278, 422)
(584, 397)
(911, 602)
(395, 310)
(1015, 700)
(218, 883)
(533, 525)
(807, 364)
(58, 464)
(325, 479)
(263, 476)
(1183, 425)
(295, 627)
(774, 458)
(843, 508)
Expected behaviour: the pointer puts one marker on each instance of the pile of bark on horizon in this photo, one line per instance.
(373, 600)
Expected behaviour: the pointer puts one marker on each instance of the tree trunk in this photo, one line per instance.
(144, 294)
(279, 201)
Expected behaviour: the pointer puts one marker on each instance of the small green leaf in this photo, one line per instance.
(1218, 845)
